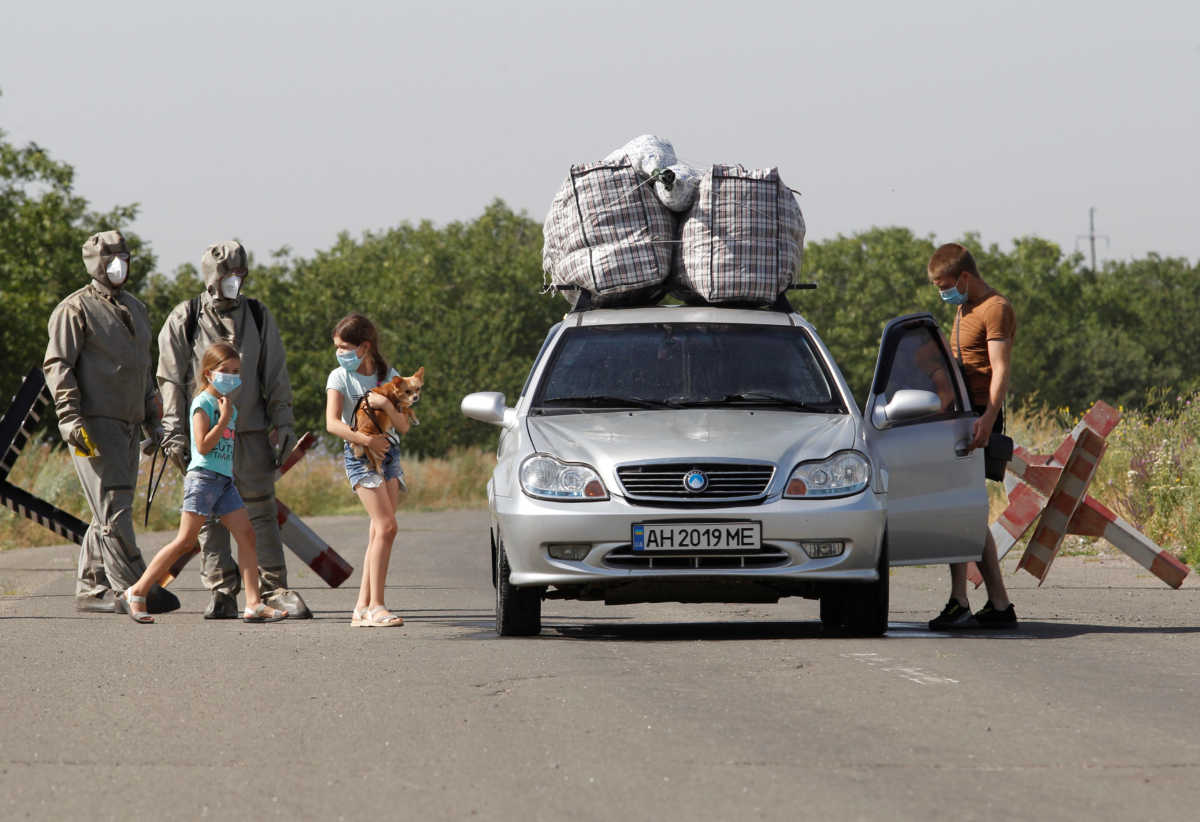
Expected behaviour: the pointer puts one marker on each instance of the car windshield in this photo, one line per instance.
(685, 365)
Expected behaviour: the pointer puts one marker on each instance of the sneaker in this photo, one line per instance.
(989, 617)
(953, 616)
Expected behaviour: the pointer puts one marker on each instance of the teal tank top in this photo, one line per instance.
(220, 458)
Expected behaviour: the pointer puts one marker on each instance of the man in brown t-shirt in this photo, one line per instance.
(982, 338)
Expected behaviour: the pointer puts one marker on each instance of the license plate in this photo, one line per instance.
(692, 537)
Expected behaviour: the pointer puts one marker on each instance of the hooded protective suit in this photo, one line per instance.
(264, 402)
(98, 368)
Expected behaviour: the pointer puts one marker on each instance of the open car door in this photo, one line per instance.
(918, 423)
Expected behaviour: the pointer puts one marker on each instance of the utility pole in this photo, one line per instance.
(1091, 236)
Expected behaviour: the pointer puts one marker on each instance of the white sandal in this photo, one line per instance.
(259, 614)
(375, 618)
(140, 617)
(358, 618)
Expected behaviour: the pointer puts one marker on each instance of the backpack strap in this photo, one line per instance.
(191, 320)
(256, 314)
(256, 311)
(192, 323)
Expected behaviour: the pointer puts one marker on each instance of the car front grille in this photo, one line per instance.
(664, 481)
(766, 557)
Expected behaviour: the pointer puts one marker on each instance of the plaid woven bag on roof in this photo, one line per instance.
(742, 241)
(608, 234)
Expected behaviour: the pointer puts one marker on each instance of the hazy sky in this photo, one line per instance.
(287, 122)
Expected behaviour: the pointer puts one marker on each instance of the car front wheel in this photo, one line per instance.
(518, 610)
(865, 607)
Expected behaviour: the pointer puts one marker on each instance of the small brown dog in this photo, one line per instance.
(401, 393)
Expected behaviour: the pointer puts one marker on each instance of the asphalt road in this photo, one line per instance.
(631, 712)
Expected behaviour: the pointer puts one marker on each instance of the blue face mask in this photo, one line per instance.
(349, 360)
(224, 383)
(953, 295)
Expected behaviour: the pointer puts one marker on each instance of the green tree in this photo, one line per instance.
(43, 224)
(1045, 288)
(1081, 335)
(863, 281)
(1147, 316)
(161, 293)
(463, 301)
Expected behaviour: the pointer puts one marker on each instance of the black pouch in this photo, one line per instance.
(996, 454)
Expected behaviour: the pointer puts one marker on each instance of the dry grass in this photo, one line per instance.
(1150, 476)
(315, 487)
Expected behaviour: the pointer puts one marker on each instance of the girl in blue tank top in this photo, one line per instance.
(208, 489)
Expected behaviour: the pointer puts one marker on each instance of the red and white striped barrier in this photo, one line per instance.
(1094, 520)
(16, 426)
(1055, 488)
(302, 540)
(298, 451)
(24, 412)
(316, 553)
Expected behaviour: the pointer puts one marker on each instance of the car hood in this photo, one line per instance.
(607, 439)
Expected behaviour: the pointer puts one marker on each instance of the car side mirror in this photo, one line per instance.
(907, 404)
(489, 407)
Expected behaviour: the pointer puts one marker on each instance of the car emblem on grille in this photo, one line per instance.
(695, 481)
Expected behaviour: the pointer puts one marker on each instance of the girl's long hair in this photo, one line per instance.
(214, 355)
(356, 329)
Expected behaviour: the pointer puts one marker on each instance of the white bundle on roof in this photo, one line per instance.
(647, 154)
(675, 182)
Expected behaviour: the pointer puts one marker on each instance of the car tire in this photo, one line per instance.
(518, 610)
(866, 606)
(492, 556)
(833, 607)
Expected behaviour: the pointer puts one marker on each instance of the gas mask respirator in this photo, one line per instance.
(231, 287)
(117, 271)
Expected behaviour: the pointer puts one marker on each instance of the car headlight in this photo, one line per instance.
(544, 477)
(841, 475)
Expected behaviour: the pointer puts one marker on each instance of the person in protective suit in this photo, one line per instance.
(264, 403)
(98, 368)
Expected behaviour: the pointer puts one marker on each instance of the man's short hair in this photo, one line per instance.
(952, 259)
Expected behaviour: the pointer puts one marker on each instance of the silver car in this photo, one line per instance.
(680, 454)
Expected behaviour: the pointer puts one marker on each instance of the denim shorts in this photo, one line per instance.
(359, 472)
(208, 493)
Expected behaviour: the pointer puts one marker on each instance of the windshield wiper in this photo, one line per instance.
(755, 398)
(602, 401)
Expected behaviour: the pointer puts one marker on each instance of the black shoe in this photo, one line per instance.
(161, 601)
(104, 602)
(290, 601)
(221, 606)
(953, 616)
(989, 617)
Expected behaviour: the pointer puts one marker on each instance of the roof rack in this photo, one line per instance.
(584, 301)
